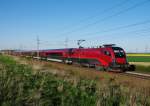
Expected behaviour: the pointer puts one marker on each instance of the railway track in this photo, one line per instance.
(138, 75)
(129, 73)
(132, 74)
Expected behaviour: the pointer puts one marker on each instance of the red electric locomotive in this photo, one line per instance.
(107, 57)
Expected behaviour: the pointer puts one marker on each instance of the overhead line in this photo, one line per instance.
(120, 12)
(109, 9)
(114, 29)
(104, 31)
(120, 27)
(101, 12)
(111, 16)
(144, 30)
(139, 34)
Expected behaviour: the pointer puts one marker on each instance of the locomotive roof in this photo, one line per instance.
(64, 49)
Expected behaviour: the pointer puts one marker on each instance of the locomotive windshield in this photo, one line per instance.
(119, 53)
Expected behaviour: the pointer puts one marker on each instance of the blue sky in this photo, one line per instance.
(97, 21)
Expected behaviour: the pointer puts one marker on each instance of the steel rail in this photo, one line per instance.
(137, 75)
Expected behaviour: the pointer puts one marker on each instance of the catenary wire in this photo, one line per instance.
(109, 17)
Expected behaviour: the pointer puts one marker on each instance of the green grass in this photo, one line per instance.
(21, 86)
(138, 58)
(142, 69)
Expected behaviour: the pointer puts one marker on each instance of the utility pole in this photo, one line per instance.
(146, 49)
(136, 50)
(20, 49)
(38, 45)
(66, 42)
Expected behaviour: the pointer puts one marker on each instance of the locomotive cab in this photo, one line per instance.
(119, 55)
(119, 60)
(114, 58)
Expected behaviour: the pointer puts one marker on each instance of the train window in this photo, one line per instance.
(54, 55)
(119, 54)
(107, 53)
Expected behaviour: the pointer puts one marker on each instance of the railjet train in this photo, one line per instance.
(106, 57)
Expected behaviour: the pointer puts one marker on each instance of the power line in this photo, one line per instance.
(138, 34)
(101, 12)
(118, 28)
(109, 30)
(111, 16)
(112, 37)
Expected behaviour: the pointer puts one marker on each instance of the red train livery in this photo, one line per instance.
(107, 57)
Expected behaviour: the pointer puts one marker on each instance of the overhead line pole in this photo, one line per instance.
(66, 42)
(38, 45)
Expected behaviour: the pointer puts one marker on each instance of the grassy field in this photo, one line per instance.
(21, 86)
(138, 57)
(143, 69)
(138, 54)
(28, 85)
(141, 60)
